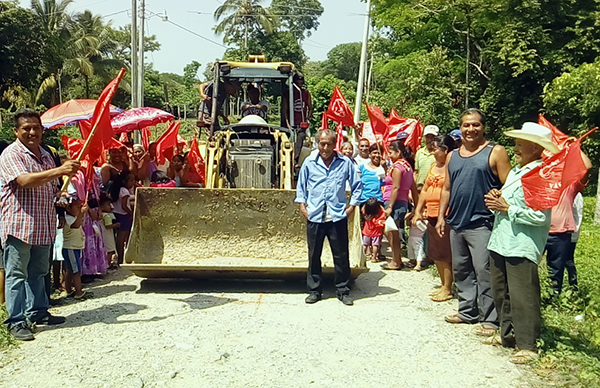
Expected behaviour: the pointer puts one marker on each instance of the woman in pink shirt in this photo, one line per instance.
(398, 182)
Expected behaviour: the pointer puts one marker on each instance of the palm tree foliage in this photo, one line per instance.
(81, 44)
(240, 19)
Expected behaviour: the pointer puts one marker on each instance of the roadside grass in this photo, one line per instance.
(6, 340)
(570, 338)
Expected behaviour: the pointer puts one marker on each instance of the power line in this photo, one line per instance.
(195, 33)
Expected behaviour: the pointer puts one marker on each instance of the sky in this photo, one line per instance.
(341, 22)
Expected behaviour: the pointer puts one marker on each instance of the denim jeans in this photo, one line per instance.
(26, 266)
(558, 252)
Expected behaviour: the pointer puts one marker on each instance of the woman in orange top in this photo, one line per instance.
(438, 248)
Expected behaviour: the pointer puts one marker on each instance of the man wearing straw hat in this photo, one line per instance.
(516, 245)
(28, 178)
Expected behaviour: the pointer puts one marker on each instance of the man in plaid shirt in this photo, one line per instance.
(28, 184)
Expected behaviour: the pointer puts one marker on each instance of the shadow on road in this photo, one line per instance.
(107, 314)
(365, 286)
(185, 286)
(200, 301)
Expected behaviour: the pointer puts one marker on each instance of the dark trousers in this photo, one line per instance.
(516, 291)
(570, 266)
(300, 137)
(558, 252)
(337, 234)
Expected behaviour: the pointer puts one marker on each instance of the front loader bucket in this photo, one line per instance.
(235, 233)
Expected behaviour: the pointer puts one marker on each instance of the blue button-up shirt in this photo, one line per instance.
(323, 189)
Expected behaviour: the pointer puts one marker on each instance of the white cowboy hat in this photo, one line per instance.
(535, 133)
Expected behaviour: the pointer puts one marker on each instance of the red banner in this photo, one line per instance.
(101, 131)
(544, 185)
(166, 143)
(379, 124)
(339, 110)
(339, 137)
(196, 161)
(414, 139)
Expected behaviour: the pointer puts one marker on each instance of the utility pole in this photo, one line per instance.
(140, 63)
(363, 65)
(134, 55)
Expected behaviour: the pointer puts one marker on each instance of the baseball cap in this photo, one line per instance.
(402, 135)
(455, 134)
(431, 130)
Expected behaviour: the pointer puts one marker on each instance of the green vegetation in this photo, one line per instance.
(570, 338)
(6, 339)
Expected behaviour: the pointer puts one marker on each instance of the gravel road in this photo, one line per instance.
(182, 333)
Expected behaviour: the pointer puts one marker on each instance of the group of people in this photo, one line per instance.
(461, 194)
(463, 203)
(49, 243)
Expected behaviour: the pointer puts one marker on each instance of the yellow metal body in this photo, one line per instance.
(225, 233)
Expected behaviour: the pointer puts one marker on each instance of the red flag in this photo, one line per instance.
(145, 134)
(339, 137)
(414, 139)
(395, 118)
(339, 110)
(544, 185)
(73, 146)
(558, 137)
(324, 122)
(165, 145)
(379, 124)
(196, 161)
(101, 131)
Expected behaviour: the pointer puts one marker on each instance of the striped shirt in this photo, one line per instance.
(27, 214)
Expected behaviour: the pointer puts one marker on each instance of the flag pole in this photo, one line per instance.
(88, 141)
(86, 145)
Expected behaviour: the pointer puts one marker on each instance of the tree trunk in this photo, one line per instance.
(87, 86)
(597, 215)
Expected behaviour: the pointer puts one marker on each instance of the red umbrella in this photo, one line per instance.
(71, 112)
(138, 118)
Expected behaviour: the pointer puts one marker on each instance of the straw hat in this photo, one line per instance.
(535, 133)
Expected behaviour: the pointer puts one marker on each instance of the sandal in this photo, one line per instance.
(524, 357)
(484, 330)
(456, 319)
(441, 298)
(387, 267)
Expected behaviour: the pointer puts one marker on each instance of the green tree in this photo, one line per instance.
(343, 61)
(300, 17)
(54, 20)
(240, 19)
(86, 54)
(20, 66)
(278, 46)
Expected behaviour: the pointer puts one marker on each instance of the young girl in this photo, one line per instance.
(121, 193)
(373, 229)
(416, 254)
(109, 224)
(347, 149)
(438, 248)
(175, 170)
(73, 245)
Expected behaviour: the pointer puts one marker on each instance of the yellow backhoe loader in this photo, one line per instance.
(245, 223)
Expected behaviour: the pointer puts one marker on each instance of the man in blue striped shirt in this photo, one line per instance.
(321, 194)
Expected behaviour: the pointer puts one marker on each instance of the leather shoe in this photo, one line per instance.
(313, 297)
(50, 320)
(346, 299)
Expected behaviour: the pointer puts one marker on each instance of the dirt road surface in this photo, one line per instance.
(182, 333)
